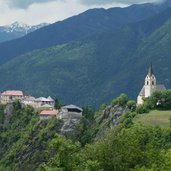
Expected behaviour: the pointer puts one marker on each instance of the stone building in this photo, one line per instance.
(70, 112)
(71, 116)
(149, 87)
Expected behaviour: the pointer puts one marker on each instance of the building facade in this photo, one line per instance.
(10, 96)
(40, 103)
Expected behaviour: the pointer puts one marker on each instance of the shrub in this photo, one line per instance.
(121, 100)
(131, 105)
(142, 109)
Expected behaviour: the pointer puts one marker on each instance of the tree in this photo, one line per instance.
(65, 154)
(142, 109)
(135, 147)
(58, 104)
(159, 100)
(121, 100)
(131, 105)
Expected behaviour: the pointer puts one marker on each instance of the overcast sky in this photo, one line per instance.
(38, 11)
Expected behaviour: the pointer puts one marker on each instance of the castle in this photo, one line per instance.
(149, 87)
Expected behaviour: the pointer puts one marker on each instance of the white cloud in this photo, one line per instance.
(38, 11)
(25, 3)
(117, 1)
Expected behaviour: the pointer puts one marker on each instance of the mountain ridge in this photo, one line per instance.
(90, 71)
(95, 68)
(74, 28)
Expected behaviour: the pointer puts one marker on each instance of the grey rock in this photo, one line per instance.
(69, 125)
(8, 111)
(110, 118)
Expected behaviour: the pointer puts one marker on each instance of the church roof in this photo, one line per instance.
(150, 70)
(156, 88)
(142, 92)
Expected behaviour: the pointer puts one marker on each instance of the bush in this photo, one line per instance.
(127, 119)
(159, 100)
(131, 105)
(142, 109)
(121, 100)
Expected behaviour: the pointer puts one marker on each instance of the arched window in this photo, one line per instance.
(147, 82)
(152, 82)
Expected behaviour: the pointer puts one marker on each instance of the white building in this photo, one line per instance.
(12, 95)
(149, 87)
(39, 103)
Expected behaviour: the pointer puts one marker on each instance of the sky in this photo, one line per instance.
(33, 12)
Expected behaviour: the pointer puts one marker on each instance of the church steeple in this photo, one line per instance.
(149, 87)
(150, 70)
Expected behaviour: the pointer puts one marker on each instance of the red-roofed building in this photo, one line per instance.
(48, 114)
(12, 95)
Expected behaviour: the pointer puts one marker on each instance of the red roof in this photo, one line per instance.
(13, 93)
(49, 112)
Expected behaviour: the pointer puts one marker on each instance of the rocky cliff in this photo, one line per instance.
(110, 118)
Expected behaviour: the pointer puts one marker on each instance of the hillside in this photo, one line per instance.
(83, 72)
(23, 137)
(95, 69)
(155, 118)
(75, 28)
(28, 143)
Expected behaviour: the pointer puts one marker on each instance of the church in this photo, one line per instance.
(149, 87)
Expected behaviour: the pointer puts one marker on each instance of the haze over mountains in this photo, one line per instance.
(92, 57)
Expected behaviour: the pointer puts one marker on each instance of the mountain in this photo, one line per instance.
(77, 27)
(17, 30)
(93, 70)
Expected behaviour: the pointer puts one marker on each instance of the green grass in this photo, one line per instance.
(155, 117)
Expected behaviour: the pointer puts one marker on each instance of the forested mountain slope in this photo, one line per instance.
(109, 139)
(74, 28)
(93, 70)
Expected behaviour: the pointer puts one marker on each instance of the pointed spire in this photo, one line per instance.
(150, 70)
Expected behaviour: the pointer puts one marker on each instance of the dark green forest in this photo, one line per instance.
(27, 143)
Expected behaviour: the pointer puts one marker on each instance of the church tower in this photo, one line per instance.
(149, 87)
(150, 82)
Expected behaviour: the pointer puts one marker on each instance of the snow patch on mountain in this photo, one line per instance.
(18, 27)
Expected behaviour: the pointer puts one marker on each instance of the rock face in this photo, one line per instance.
(8, 111)
(110, 118)
(70, 116)
(69, 125)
